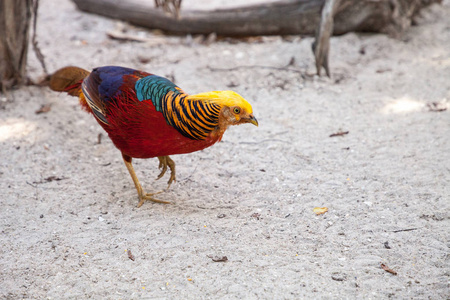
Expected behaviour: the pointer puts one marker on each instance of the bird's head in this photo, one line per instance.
(234, 110)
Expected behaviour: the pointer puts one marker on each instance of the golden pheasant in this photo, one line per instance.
(146, 115)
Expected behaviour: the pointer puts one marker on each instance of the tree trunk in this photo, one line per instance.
(276, 18)
(15, 16)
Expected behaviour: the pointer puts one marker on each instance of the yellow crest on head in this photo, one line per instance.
(223, 98)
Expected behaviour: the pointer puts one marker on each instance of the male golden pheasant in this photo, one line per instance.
(146, 115)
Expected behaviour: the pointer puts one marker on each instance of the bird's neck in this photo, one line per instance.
(195, 119)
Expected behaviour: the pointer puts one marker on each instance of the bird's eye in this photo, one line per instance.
(236, 110)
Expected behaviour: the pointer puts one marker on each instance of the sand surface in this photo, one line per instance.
(68, 215)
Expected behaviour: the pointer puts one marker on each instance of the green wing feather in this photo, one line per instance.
(155, 88)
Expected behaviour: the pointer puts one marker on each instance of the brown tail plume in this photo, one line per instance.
(68, 79)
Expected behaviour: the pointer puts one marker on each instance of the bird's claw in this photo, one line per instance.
(164, 169)
(163, 165)
(149, 197)
(172, 178)
(164, 162)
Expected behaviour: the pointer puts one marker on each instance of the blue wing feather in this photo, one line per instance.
(104, 85)
(111, 80)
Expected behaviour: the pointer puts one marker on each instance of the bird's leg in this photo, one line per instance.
(165, 161)
(142, 196)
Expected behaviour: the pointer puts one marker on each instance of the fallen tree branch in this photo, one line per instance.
(263, 19)
(275, 18)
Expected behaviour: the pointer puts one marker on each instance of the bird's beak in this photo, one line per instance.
(252, 120)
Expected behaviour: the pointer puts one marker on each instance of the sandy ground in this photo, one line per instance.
(69, 219)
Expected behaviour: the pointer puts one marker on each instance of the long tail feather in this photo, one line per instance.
(68, 79)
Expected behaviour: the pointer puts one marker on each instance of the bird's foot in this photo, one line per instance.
(164, 162)
(142, 196)
(149, 197)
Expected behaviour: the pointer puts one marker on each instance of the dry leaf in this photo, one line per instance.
(44, 109)
(256, 216)
(130, 255)
(436, 106)
(320, 210)
(218, 259)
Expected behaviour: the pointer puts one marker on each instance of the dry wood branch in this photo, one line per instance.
(276, 18)
(34, 42)
(321, 45)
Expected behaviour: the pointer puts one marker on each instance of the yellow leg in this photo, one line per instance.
(142, 196)
(165, 161)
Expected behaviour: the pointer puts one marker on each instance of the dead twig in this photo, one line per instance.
(400, 230)
(387, 269)
(32, 184)
(216, 207)
(339, 133)
(50, 179)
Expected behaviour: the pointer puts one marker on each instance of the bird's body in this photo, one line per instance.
(148, 116)
(132, 119)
